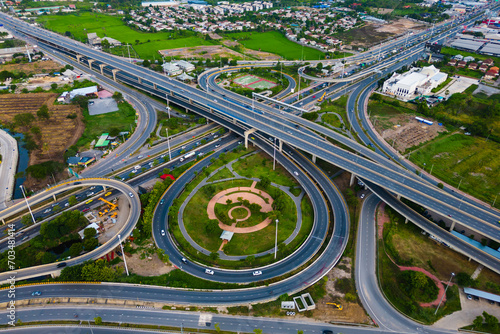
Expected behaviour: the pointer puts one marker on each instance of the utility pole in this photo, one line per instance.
(128, 48)
(447, 285)
(27, 204)
(276, 240)
(274, 154)
(168, 143)
(124, 257)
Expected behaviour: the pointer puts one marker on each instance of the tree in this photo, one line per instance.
(90, 244)
(146, 63)
(75, 249)
(419, 280)
(117, 96)
(24, 119)
(478, 322)
(43, 112)
(265, 182)
(257, 331)
(490, 320)
(214, 256)
(89, 233)
(212, 227)
(300, 331)
(26, 220)
(464, 279)
(13, 87)
(53, 86)
(217, 327)
(72, 200)
(98, 320)
(98, 271)
(440, 185)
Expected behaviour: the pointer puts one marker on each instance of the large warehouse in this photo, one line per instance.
(417, 81)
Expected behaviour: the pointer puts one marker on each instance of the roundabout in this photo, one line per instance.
(236, 218)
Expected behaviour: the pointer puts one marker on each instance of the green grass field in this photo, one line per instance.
(123, 119)
(473, 160)
(259, 165)
(224, 173)
(112, 26)
(275, 42)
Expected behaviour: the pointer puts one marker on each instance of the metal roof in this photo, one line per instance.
(482, 294)
(477, 244)
(491, 48)
(466, 44)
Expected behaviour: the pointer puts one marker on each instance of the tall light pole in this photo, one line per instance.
(168, 143)
(447, 285)
(276, 240)
(27, 204)
(274, 154)
(124, 257)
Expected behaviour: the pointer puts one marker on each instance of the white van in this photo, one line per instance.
(137, 167)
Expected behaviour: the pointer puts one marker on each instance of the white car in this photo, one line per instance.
(362, 196)
(162, 233)
(140, 157)
(295, 173)
(209, 272)
(131, 195)
(257, 273)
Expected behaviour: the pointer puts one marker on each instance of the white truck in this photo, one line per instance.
(187, 156)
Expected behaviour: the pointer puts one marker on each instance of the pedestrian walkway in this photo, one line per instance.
(297, 200)
(383, 218)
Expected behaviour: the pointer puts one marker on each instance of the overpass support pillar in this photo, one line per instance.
(90, 63)
(54, 197)
(102, 68)
(3, 221)
(452, 225)
(104, 188)
(114, 74)
(406, 220)
(280, 147)
(314, 158)
(139, 80)
(78, 57)
(154, 86)
(398, 197)
(190, 101)
(246, 136)
(353, 177)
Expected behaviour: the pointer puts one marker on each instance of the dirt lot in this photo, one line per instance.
(216, 51)
(384, 10)
(409, 132)
(33, 68)
(351, 312)
(57, 133)
(373, 33)
(148, 266)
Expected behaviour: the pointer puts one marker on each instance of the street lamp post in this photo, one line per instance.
(274, 154)
(168, 143)
(27, 204)
(124, 257)
(276, 240)
(447, 285)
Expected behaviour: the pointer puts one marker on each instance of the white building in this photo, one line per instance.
(171, 69)
(414, 82)
(185, 65)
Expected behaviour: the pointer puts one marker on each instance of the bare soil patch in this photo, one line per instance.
(351, 312)
(57, 133)
(384, 10)
(145, 262)
(408, 132)
(33, 68)
(400, 26)
(216, 51)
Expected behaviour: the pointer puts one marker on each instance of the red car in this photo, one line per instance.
(86, 209)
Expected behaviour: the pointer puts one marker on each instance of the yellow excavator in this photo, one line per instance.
(337, 306)
(111, 207)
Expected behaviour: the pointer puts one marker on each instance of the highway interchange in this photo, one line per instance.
(284, 131)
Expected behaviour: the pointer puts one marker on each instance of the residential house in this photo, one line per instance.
(171, 69)
(452, 62)
(461, 64)
(483, 68)
(490, 75)
(488, 62)
(472, 66)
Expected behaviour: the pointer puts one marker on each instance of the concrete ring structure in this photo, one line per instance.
(247, 193)
(230, 213)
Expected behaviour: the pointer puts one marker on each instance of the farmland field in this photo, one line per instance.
(473, 160)
(112, 26)
(56, 134)
(275, 42)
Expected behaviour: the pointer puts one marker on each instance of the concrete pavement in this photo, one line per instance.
(8, 167)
